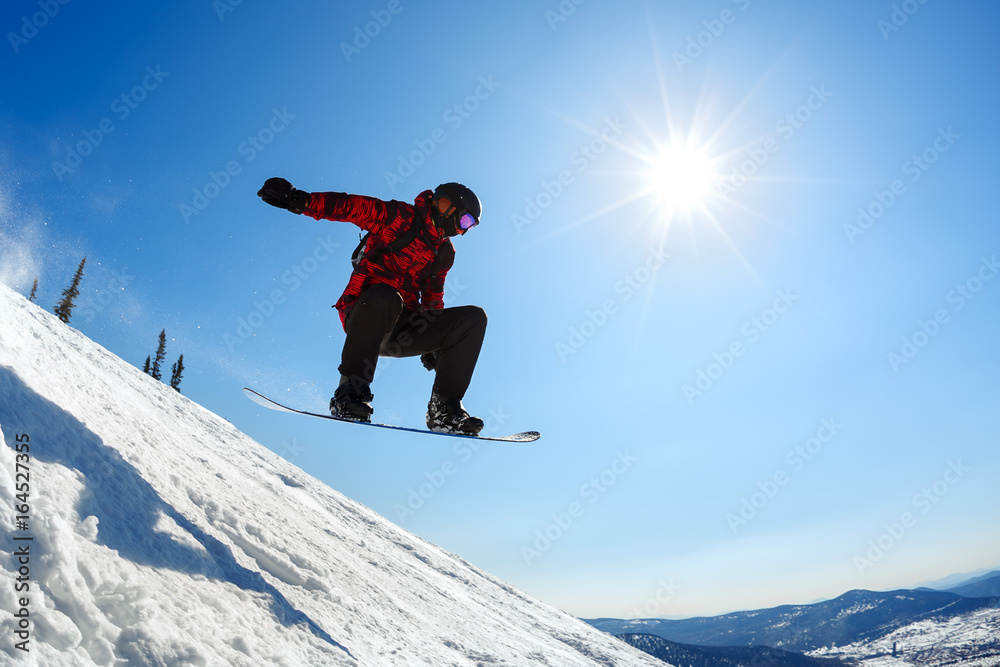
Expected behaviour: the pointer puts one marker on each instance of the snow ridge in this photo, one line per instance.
(161, 535)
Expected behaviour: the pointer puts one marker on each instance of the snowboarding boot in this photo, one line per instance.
(448, 415)
(352, 402)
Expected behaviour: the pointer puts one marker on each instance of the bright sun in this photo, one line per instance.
(681, 177)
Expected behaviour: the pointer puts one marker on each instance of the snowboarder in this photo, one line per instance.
(393, 305)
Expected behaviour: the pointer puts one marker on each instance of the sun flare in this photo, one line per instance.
(681, 177)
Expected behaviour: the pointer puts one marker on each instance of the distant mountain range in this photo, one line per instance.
(958, 579)
(953, 620)
(723, 656)
(856, 616)
(986, 586)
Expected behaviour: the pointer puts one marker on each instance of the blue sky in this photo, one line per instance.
(785, 390)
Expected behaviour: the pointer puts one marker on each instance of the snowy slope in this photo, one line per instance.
(161, 535)
(972, 640)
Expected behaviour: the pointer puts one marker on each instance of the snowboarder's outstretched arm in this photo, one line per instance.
(368, 213)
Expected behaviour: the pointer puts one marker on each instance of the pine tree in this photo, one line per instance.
(161, 353)
(178, 369)
(64, 309)
(34, 291)
(145, 367)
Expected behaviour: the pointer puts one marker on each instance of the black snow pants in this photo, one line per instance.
(378, 325)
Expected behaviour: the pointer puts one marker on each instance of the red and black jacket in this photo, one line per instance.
(417, 271)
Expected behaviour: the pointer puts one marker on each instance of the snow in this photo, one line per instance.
(971, 639)
(161, 535)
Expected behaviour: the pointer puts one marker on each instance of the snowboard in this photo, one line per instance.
(264, 401)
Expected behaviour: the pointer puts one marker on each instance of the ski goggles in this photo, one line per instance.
(467, 221)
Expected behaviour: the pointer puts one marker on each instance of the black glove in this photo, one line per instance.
(279, 192)
(429, 360)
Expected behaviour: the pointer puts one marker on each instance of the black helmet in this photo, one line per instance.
(462, 197)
